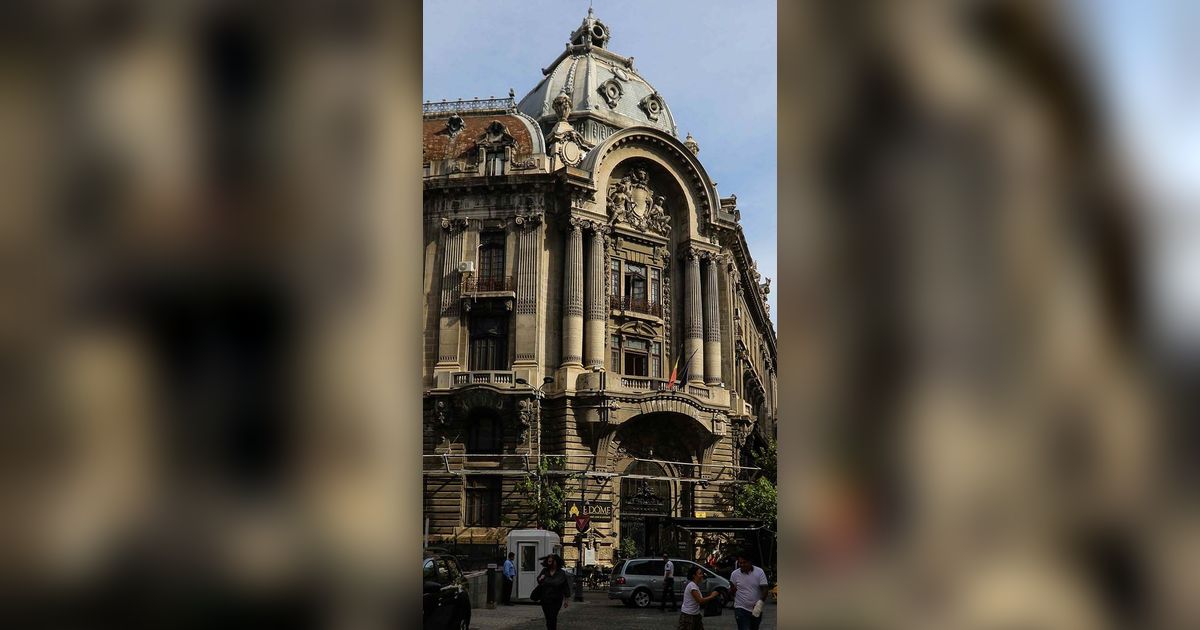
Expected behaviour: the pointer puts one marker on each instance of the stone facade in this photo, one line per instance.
(574, 256)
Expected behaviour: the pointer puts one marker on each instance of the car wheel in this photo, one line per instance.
(641, 598)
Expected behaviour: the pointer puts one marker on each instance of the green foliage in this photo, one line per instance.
(546, 494)
(766, 458)
(758, 500)
(628, 547)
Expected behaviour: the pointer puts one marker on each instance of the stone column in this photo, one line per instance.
(595, 308)
(693, 340)
(451, 244)
(712, 323)
(572, 342)
(528, 250)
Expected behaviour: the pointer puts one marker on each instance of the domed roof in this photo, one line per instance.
(600, 84)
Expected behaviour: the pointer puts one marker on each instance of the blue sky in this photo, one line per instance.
(1145, 57)
(714, 64)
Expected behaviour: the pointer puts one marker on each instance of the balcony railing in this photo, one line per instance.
(639, 383)
(699, 391)
(482, 284)
(490, 377)
(636, 305)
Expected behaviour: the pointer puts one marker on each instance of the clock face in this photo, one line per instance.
(570, 152)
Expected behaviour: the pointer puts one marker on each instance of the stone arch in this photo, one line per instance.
(675, 162)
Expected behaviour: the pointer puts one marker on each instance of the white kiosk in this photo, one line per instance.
(530, 546)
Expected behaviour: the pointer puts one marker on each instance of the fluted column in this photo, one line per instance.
(572, 326)
(528, 248)
(451, 243)
(595, 309)
(693, 340)
(712, 323)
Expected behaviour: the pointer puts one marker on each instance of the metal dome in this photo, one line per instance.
(600, 83)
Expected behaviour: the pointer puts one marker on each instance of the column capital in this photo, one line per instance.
(528, 221)
(452, 225)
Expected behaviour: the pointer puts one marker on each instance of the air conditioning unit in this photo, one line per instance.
(466, 266)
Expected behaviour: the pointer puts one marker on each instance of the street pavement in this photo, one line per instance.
(597, 611)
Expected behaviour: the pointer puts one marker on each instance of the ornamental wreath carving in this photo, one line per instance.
(633, 202)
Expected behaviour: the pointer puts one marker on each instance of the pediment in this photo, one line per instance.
(638, 328)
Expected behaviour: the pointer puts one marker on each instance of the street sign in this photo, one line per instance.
(598, 511)
(581, 523)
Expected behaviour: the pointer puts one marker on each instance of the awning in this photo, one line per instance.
(718, 524)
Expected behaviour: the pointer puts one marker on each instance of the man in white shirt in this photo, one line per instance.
(749, 587)
(668, 583)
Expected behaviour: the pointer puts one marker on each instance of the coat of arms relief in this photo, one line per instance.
(633, 202)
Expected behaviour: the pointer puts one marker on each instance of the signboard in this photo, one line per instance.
(581, 523)
(597, 511)
(589, 555)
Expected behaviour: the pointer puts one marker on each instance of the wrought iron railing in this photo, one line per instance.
(476, 284)
(636, 305)
(472, 105)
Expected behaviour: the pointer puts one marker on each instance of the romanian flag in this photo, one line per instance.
(678, 376)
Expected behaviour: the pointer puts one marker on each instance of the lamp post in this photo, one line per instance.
(538, 395)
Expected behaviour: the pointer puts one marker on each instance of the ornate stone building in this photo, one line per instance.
(576, 251)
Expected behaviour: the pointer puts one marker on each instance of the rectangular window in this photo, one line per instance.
(489, 343)
(635, 282)
(655, 287)
(656, 360)
(490, 276)
(615, 354)
(482, 501)
(484, 433)
(616, 280)
(635, 364)
(495, 162)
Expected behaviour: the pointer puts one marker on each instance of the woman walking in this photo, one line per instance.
(690, 614)
(555, 590)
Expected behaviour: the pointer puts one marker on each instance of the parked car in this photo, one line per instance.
(446, 602)
(638, 581)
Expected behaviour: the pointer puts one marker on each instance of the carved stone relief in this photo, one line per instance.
(612, 91)
(652, 105)
(633, 202)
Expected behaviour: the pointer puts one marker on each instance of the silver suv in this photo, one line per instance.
(638, 581)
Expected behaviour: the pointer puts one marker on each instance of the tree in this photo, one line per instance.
(546, 494)
(629, 547)
(758, 500)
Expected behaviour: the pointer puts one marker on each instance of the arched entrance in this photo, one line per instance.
(645, 507)
(655, 452)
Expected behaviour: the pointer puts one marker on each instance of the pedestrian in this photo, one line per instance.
(749, 591)
(690, 615)
(555, 590)
(668, 583)
(510, 574)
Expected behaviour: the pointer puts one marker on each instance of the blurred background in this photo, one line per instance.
(989, 299)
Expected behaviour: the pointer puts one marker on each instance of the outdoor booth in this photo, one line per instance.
(530, 547)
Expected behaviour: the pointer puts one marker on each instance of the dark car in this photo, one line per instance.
(446, 603)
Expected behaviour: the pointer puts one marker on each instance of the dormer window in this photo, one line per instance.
(494, 162)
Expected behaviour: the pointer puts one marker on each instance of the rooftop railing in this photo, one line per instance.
(472, 105)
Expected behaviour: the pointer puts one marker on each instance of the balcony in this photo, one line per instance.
(483, 377)
(632, 305)
(638, 383)
(488, 284)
